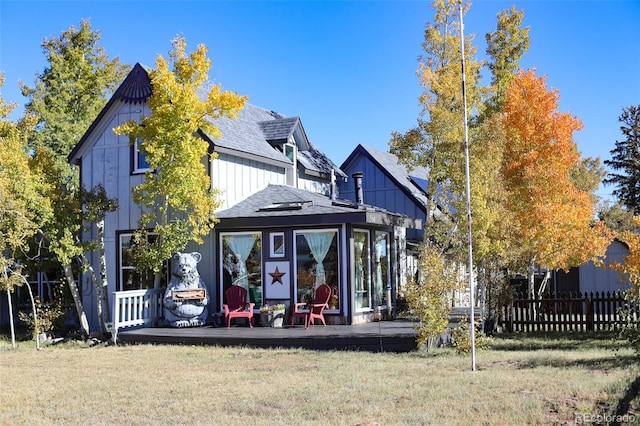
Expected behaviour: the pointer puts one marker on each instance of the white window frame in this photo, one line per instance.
(369, 274)
(137, 169)
(121, 266)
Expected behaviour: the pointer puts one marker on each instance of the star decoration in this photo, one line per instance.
(277, 276)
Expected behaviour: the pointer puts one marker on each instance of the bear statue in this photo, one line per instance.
(186, 298)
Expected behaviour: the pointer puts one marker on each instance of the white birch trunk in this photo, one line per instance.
(103, 300)
(98, 289)
(532, 284)
(77, 299)
(36, 326)
(13, 330)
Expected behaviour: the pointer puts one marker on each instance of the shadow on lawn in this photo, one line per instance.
(564, 341)
(615, 361)
(624, 404)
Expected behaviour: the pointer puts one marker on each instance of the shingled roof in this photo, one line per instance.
(136, 88)
(282, 205)
(254, 132)
(279, 130)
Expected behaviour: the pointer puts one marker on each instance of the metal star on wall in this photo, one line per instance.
(277, 276)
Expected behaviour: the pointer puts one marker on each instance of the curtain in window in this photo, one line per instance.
(241, 246)
(319, 244)
(379, 249)
(359, 246)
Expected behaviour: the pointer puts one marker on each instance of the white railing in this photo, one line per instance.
(136, 307)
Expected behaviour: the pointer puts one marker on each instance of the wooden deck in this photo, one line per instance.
(383, 336)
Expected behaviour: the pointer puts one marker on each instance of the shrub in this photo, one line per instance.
(461, 340)
(428, 297)
(50, 317)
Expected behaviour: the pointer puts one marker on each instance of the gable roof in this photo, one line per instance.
(278, 131)
(136, 88)
(412, 183)
(253, 132)
(282, 205)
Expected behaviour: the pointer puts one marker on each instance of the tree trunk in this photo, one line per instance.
(103, 299)
(36, 326)
(532, 286)
(483, 288)
(11, 326)
(77, 299)
(98, 289)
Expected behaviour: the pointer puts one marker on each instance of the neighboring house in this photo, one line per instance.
(277, 212)
(592, 278)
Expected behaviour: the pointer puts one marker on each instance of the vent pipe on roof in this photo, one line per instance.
(357, 181)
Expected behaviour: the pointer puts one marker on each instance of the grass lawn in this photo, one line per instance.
(521, 380)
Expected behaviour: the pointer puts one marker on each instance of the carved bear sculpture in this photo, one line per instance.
(180, 309)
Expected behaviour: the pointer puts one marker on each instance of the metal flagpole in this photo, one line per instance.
(468, 188)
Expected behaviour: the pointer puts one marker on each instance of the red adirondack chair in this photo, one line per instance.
(237, 305)
(315, 307)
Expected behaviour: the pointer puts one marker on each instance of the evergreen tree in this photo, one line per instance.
(625, 160)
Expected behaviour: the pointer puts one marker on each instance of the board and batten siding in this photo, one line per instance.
(107, 162)
(309, 183)
(378, 189)
(237, 178)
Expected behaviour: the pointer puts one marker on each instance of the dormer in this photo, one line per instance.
(287, 136)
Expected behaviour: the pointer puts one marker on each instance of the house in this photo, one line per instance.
(592, 278)
(282, 230)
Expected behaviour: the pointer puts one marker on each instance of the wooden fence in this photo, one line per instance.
(568, 312)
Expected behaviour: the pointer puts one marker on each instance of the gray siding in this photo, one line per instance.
(237, 177)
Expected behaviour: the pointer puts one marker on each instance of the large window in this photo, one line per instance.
(129, 278)
(371, 269)
(242, 263)
(381, 282)
(317, 263)
(362, 269)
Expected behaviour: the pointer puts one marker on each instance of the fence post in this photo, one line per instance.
(589, 314)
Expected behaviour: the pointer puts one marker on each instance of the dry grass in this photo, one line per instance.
(518, 382)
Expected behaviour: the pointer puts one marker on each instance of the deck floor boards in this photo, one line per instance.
(383, 336)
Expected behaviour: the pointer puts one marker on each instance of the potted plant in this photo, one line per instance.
(272, 315)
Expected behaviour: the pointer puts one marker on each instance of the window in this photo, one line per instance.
(289, 149)
(242, 263)
(276, 246)
(362, 269)
(381, 283)
(129, 278)
(140, 164)
(316, 262)
(290, 152)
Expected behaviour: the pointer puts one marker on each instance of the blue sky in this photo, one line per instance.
(347, 68)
